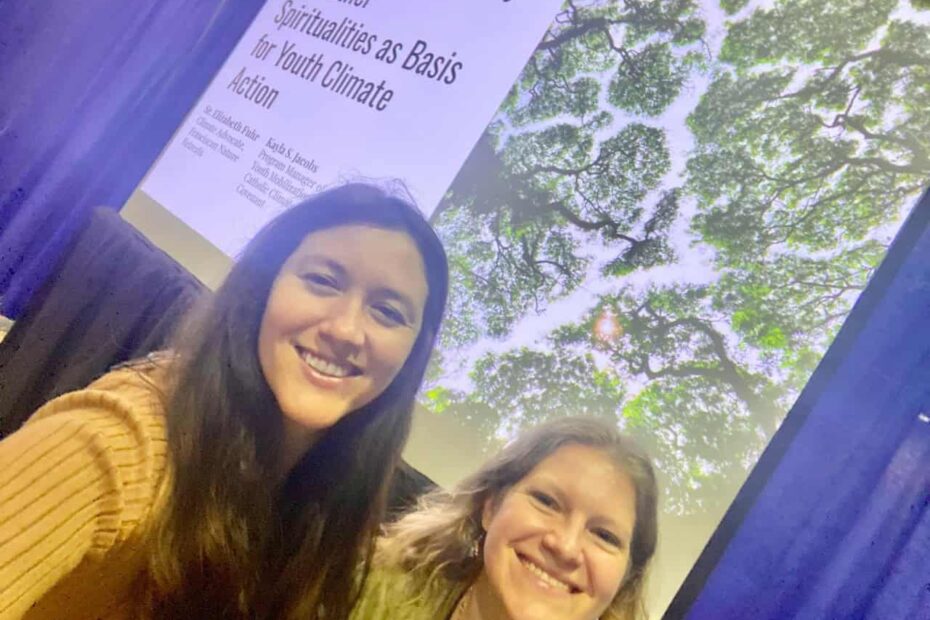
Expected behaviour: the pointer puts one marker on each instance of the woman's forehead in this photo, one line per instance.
(372, 254)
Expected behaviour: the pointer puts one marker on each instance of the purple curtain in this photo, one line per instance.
(835, 520)
(90, 92)
(113, 297)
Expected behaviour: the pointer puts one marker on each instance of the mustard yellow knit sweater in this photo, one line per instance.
(77, 486)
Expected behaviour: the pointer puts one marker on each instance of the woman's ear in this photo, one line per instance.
(487, 512)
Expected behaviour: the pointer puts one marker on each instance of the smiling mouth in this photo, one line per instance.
(547, 579)
(326, 367)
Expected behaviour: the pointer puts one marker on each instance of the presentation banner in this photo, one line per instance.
(321, 92)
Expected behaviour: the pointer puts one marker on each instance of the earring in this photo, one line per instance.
(474, 550)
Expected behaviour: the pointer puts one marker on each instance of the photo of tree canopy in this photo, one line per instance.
(671, 215)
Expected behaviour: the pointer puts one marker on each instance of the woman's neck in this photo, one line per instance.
(465, 609)
(295, 443)
(479, 603)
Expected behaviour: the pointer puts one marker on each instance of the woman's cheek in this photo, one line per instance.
(608, 572)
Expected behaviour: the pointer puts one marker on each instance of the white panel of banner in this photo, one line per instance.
(321, 92)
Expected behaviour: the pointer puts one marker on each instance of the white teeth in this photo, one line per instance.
(545, 577)
(325, 367)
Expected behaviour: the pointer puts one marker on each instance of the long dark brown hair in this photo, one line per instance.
(231, 542)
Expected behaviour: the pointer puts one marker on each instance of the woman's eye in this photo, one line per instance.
(319, 280)
(609, 537)
(544, 499)
(390, 314)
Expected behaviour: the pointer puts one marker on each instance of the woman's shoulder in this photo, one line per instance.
(132, 390)
(151, 362)
(144, 375)
(78, 480)
(392, 592)
(120, 418)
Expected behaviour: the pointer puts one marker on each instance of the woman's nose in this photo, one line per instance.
(564, 543)
(344, 329)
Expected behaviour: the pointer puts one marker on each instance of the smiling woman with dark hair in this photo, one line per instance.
(245, 473)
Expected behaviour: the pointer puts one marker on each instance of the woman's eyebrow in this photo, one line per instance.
(612, 524)
(309, 260)
(547, 484)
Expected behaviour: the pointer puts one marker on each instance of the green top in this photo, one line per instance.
(398, 595)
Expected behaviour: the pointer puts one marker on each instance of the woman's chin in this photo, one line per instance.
(314, 413)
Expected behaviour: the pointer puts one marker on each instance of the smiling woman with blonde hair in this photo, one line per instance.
(560, 525)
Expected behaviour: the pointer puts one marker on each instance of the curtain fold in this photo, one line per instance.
(840, 527)
(92, 91)
(114, 297)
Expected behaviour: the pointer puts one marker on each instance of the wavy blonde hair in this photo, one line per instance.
(435, 541)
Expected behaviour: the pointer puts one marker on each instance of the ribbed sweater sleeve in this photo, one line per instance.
(76, 480)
